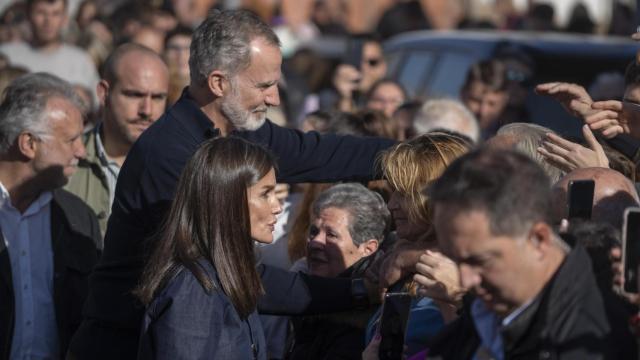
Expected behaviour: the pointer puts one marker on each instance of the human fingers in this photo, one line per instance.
(555, 149)
(602, 115)
(613, 131)
(574, 90)
(424, 280)
(556, 160)
(425, 270)
(594, 145)
(428, 259)
(590, 138)
(561, 142)
(545, 88)
(614, 105)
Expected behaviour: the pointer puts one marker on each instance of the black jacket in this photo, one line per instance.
(146, 186)
(338, 336)
(75, 238)
(567, 321)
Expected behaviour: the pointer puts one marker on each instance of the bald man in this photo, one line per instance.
(613, 193)
(133, 94)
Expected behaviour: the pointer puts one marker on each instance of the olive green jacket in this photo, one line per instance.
(89, 182)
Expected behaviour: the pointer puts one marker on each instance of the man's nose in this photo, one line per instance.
(144, 109)
(80, 150)
(272, 96)
(468, 277)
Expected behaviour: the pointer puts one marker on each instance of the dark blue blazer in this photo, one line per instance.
(145, 188)
(186, 322)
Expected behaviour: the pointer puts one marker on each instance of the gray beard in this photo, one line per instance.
(239, 118)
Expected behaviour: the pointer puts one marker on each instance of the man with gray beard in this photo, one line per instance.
(234, 68)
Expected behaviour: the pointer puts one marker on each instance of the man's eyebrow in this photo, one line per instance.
(267, 83)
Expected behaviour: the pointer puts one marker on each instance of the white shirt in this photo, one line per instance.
(27, 237)
(68, 62)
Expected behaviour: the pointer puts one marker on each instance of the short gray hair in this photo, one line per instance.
(528, 137)
(221, 42)
(446, 114)
(24, 104)
(368, 212)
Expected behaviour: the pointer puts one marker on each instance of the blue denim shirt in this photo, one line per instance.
(186, 322)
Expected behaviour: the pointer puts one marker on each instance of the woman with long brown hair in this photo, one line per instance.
(200, 285)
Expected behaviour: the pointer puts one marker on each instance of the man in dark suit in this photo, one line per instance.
(50, 238)
(235, 68)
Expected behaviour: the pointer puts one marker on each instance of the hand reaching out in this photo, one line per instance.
(610, 119)
(573, 97)
(568, 156)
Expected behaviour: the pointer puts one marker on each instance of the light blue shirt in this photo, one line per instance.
(27, 237)
(488, 326)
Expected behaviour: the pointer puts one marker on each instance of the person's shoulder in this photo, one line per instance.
(185, 288)
(71, 203)
(79, 217)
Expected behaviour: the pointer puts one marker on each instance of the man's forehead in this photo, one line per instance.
(62, 113)
(49, 4)
(133, 66)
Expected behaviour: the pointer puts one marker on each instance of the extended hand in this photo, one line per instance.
(610, 120)
(568, 156)
(573, 97)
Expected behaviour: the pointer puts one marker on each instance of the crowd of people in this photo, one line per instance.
(204, 195)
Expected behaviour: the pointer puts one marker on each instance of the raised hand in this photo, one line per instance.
(610, 118)
(568, 156)
(573, 97)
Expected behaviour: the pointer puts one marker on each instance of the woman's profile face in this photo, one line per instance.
(263, 208)
(405, 227)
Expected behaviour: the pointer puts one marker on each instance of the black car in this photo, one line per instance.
(433, 63)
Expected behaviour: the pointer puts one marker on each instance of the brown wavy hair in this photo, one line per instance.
(209, 220)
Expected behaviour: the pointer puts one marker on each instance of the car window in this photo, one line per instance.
(414, 70)
(450, 73)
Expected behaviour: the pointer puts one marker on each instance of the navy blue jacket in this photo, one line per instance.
(186, 322)
(145, 188)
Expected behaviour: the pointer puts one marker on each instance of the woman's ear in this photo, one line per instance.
(369, 247)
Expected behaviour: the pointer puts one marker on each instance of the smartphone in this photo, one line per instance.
(393, 324)
(580, 199)
(353, 53)
(631, 249)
